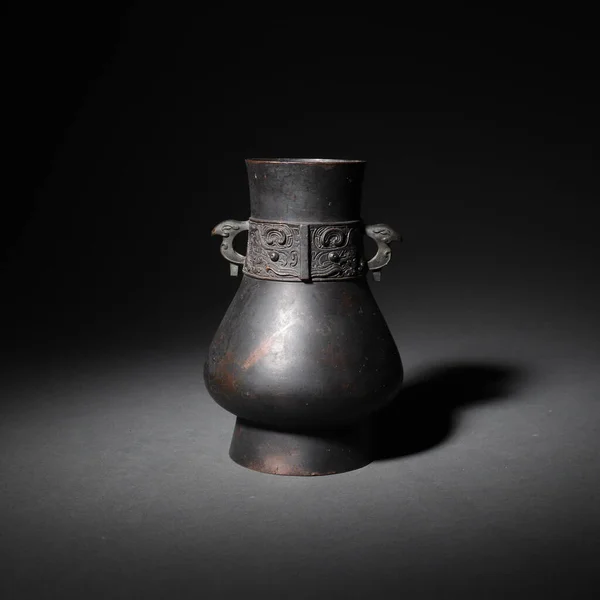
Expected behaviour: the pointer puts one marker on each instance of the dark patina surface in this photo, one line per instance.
(303, 355)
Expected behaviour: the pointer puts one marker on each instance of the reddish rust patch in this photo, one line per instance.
(264, 347)
(260, 351)
(224, 374)
(278, 465)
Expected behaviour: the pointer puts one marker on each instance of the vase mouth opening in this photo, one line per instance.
(306, 161)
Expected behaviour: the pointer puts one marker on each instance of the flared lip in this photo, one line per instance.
(306, 161)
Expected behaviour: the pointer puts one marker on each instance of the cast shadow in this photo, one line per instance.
(425, 412)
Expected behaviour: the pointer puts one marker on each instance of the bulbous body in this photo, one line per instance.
(303, 355)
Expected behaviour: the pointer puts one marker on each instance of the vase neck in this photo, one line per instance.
(305, 190)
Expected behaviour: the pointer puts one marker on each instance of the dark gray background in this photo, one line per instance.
(129, 131)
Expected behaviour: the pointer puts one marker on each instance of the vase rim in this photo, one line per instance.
(308, 161)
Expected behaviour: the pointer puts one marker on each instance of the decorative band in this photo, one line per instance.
(305, 251)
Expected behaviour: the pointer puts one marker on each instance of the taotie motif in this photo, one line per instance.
(306, 251)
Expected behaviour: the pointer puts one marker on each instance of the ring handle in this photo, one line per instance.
(383, 236)
(228, 230)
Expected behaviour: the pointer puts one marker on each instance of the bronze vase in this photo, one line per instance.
(303, 356)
